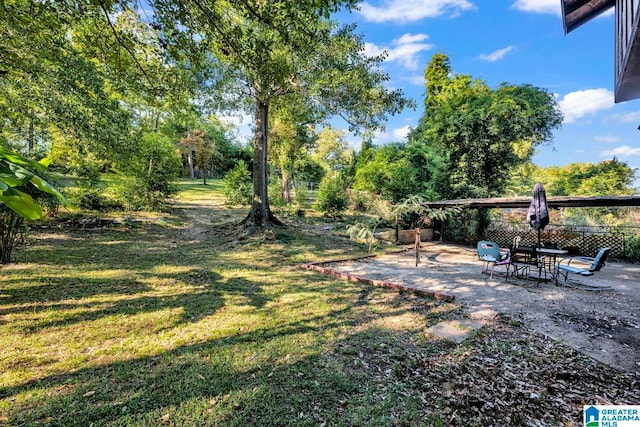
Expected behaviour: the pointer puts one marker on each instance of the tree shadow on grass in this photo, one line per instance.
(120, 248)
(204, 294)
(145, 247)
(369, 375)
(219, 382)
(46, 291)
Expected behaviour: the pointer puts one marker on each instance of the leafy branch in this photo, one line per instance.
(418, 205)
(412, 205)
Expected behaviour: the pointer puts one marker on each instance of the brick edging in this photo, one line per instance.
(319, 267)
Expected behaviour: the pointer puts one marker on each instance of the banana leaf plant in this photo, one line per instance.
(17, 171)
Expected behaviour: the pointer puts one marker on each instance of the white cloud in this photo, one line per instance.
(539, 6)
(584, 102)
(608, 139)
(401, 133)
(404, 50)
(371, 49)
(396, 135)
(417, 80)
(496, 55)
(410, 38)
(609, 12)
(624, 150)
(633, 117)
(413, 10)
(548, 6)
(381, 138)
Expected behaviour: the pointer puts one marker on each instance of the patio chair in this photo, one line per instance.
(587, 268)
(519, 264)
(491, 254)
(523, 259)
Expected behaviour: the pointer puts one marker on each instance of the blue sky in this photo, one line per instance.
(509, 41)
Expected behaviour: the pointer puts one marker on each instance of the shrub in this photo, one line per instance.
(90, 198)
(134, 194)
(361, 200)
(632, 247)
(155, 165)
(237, 185)
(275, 192)
(332, 197)
(300, 196)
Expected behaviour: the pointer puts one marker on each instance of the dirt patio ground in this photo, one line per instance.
(602, 324)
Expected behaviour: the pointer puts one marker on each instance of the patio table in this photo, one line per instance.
(551, 255)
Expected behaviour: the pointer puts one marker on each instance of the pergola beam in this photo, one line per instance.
(553, 202)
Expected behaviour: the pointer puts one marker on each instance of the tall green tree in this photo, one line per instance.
(134, 71)
(332, 150)
(389, 174)
(292, 135)
(46, 84)
(606, 178)
(276, 48)
(481, 133)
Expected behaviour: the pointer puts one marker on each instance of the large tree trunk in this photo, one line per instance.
(190, 162)
(286, 186)
(260, 214)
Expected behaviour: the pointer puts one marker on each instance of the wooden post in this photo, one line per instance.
(417, 245)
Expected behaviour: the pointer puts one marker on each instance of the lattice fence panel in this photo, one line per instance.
(578, 242)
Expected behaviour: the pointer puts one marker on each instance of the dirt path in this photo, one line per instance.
(604, 324)
(203, 215)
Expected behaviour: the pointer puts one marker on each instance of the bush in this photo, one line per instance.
(361, 200)
(237, 185)
(301, 196)
(90, 198)
(332, 197)
(135, 194)
(155, 164)
(632, 248)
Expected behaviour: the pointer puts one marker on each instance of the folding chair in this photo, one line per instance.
(588, 268)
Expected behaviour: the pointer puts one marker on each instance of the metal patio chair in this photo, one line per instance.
(587, 265)
(490, 254)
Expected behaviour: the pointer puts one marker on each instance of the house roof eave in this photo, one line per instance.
(577, 12)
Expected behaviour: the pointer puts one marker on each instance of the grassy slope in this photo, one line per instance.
(179, 322)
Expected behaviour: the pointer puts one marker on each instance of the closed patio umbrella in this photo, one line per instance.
(538, 214)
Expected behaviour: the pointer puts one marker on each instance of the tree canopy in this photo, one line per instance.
(606, 178)
(479, 132)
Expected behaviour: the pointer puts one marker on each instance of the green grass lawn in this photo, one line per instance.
(186, 322)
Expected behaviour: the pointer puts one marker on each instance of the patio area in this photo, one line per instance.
(603, 324)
